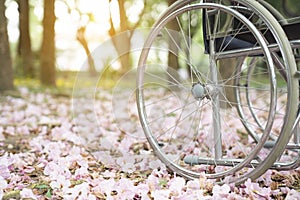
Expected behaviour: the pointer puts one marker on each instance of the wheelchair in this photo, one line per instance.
(231, 111)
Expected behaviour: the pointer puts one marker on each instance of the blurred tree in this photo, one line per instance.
(24, 46)
(290, 8)
(48, 72)
(193, 30)
(80, 36)
(227, 68)
(121, 36)
(6, 70)
(173, 62)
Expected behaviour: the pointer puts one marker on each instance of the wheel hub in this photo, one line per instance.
(201, 91)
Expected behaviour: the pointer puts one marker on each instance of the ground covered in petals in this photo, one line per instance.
(54, 146)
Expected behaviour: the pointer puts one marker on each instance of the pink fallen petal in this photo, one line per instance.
(28, 169)
(4, 172)
(27, 194)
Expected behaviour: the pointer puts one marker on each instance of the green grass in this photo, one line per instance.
(67, 81)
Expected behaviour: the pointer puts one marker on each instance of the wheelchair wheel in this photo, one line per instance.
(286, 119)
(247, 94)
(188, 115)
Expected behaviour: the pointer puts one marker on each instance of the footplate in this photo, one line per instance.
(196, 160)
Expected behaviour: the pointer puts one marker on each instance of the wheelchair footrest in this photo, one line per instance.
(196, 160)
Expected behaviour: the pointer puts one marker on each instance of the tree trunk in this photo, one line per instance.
(122, 45)
(173, 62)
(227, 69)
(121, 41)
(48, 45)
(82, 40)
(6, 70)
(24, 48)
